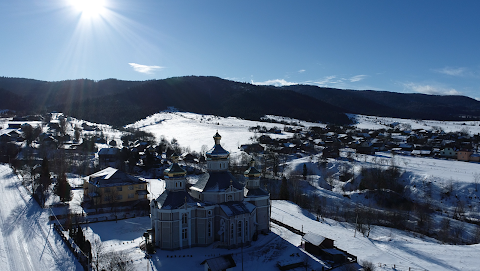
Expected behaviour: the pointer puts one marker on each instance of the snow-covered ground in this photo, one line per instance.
(385, 246)
(375, 123)
(195, 130)
(27, 241)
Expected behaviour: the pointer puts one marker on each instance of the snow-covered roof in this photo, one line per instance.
(216, 181)
(313, 238)
(113, 177)
(233, 208)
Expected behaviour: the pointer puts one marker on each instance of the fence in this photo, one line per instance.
(399, 267)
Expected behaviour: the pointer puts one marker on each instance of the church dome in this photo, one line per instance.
(174, 170)
(217, 152)
(252, 172)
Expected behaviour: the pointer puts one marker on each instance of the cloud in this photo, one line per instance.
(275, 82)
(144, 68)
(432, 90)
(453, 71)
(326, 81)
(301, 71)
(357, 78)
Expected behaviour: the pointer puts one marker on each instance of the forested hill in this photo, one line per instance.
(391, 104)
(205, 95)
(119, 102)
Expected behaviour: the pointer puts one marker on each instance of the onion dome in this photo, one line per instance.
(252, 172)
(217, 152)
(174, 170)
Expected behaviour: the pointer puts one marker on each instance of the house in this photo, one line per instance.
(464, 155)
(111, 186)
(109, 157)
(448, 153)
(221, 263)
(218, 208)
(252, 148)
(14, 125)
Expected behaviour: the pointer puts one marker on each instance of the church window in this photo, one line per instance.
(239, 229)
(231, 231)
(209, 212)
(209, 230)
(184, 234)
(180, 184)
(246, 229)
(184, 218)
(229, 198)
(176, 184)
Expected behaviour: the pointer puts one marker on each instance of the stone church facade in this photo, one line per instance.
(217, 209)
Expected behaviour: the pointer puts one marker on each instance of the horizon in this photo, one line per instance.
(427, 47)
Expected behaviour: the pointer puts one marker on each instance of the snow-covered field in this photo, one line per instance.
(195, 130)
(385, 246)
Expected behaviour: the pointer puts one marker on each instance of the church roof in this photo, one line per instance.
(216, 181)
(255, 192)
(252, 171)
(234, 208)
(174, 169)
(217, 151)
(174, 199)
(113, 177)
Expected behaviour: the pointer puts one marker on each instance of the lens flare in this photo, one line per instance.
(89, 8)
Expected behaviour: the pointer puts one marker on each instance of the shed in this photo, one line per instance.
(315, 243)
(221, 263)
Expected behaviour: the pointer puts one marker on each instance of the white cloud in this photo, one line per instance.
(275, 82)
(301, 71)
(430, 89)
(357, 78)
(144, 68)
(453, 71)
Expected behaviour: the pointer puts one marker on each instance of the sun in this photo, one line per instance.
(89, 8)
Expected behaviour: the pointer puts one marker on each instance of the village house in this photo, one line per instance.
(109, 157)
(112, 186)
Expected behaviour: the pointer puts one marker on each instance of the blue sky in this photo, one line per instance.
(403, 46)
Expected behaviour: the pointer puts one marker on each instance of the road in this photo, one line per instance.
(27, 240)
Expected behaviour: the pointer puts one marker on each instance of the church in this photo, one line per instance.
(217, 209)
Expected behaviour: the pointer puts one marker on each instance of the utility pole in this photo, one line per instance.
(356, 220)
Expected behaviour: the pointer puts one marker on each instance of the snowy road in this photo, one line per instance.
(27, 242)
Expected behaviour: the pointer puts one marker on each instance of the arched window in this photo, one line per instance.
(239, 228)
(184, 218)
(180, 184)
(229, 198)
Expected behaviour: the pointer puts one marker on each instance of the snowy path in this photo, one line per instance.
(27, 242)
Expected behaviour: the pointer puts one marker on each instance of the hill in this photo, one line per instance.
(119, 103)
(204, 95)
(397, 105)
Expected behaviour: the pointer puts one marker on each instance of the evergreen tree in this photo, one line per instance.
(284, 193)
(63, 188)
(44, 181)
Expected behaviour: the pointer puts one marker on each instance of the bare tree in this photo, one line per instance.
(476, 180)
(118, 261)
(98, 254)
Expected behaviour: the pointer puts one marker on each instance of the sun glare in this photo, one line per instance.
(89, 7)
